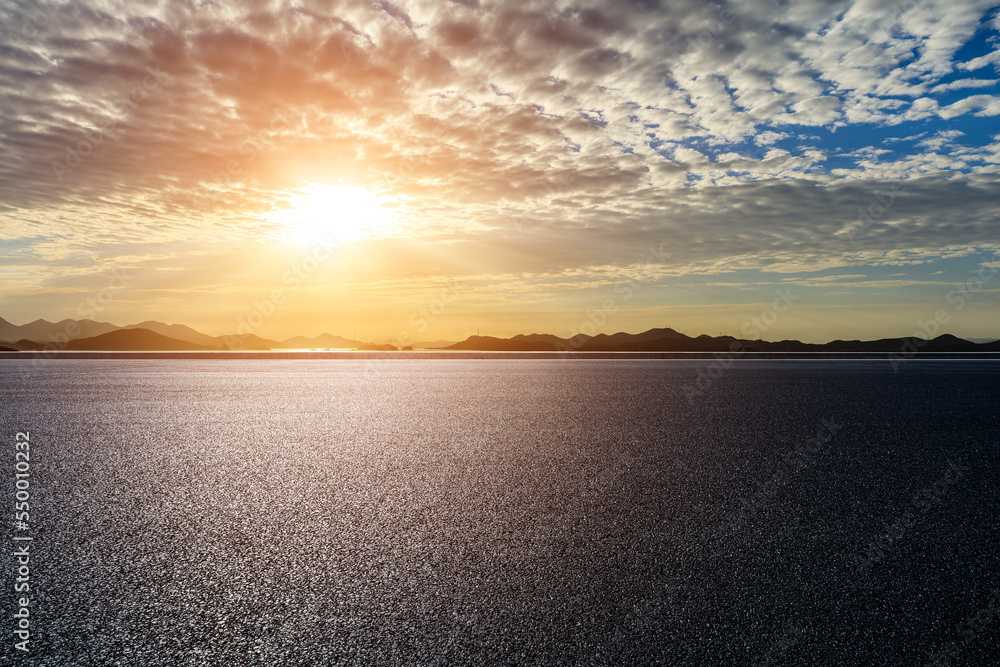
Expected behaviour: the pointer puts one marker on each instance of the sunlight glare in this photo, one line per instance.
(321, 214)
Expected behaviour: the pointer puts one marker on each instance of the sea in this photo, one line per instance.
(502, 511)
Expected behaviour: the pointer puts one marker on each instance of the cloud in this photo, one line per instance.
(528, 137)
(963, 83)
(992, 58)
(982, 105)
(768, 137)
(940, 139)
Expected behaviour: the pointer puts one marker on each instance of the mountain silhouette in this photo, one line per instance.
(44, 331)
(156, 336)
(375, 347)
(669, 340)
(134, 340)
(324, 340)
(42, 334)
(517, 344)
(178, 332)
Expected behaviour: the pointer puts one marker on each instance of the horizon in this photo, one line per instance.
(501, 331)
(422, 171)
(927, 334)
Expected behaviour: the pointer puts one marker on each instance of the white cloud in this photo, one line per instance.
(982, 105)
(962, 84)
(940, 139)
(992, 58)
(768, 137)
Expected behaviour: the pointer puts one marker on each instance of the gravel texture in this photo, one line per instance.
(268, 512)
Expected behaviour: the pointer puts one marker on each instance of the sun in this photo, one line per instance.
(320, 213)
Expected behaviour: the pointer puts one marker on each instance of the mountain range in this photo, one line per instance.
(669, 340)
(75, 335)
(90, 335)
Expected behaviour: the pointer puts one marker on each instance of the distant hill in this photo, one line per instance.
(654, 340)
(45, 332)
(152, 335)
(244, 342)
(520, 343)
(657, 340)
(134, 340)
(669, 340)
(25, 345)
(432, 344)
(185, 333)
(575, 341)
(492, 344)
(178, 331)
(943, 343)
(36, 335)
(324, 340)
(374, 347)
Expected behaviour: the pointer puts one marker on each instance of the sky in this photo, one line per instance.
(425, 170)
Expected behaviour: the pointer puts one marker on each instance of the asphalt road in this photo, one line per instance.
(506, 512)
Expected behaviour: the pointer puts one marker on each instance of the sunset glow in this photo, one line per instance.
(510, 332)
(542, 154)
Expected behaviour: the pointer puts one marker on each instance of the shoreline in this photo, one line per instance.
(467, 354)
